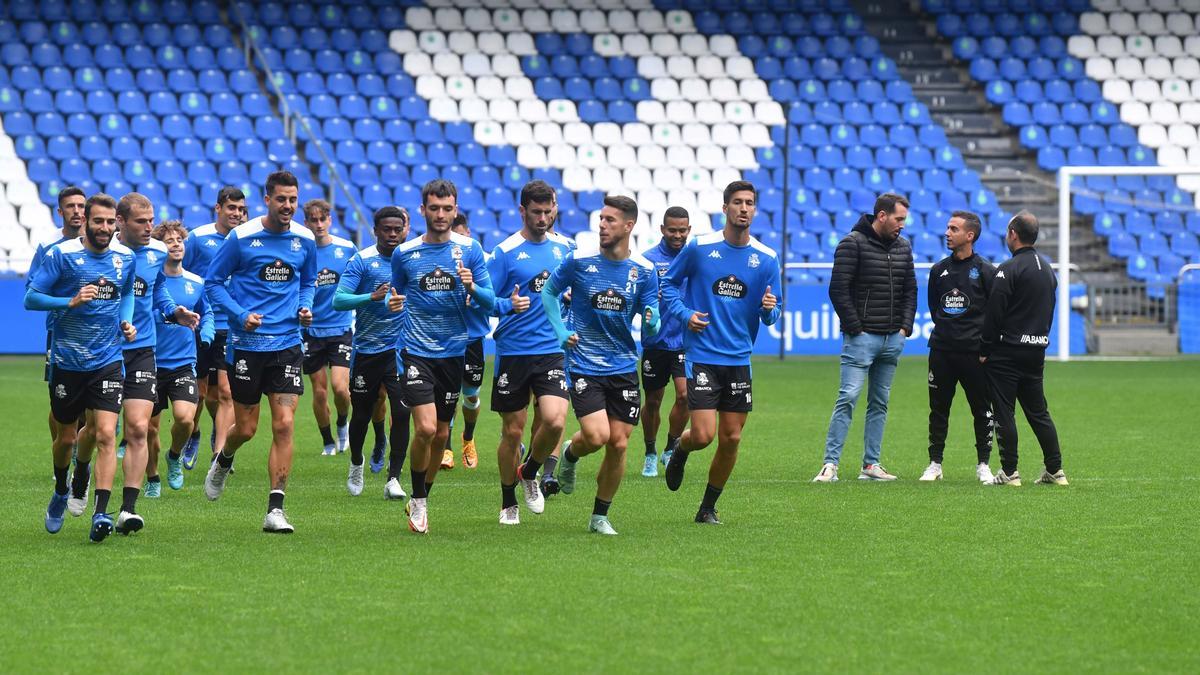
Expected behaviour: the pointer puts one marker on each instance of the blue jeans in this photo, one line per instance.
(864, 357)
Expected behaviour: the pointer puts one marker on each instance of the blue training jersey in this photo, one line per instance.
(375, 328)
(728, 283)
(270, 274)
(150, 296)
(514, 261)
(87, 337)
(435, 325)
(331, 263)
(479, 320)
(198, 252)
(670, 331)
(36, 262)
(176, 345)
(605, 296)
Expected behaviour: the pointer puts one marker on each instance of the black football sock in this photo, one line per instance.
(224, 460)
(650, 450)
(196, 435)
(60, 479)
(173, 455)
(326, 435)
(79, 481)
(129, 497)
(711, 495)
(468, 431)
(529, 469)
(600, 507)
(672, 443)
(341, 420)
(428, 488)
(154, 479)
(102, 500)
(418, 484)
(275, 500)
(570, 456)
(508, 495)
(548, 467)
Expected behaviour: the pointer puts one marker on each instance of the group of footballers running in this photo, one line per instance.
(144, 317)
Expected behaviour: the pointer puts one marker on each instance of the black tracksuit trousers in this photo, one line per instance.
(1015, 376)
(947, 369)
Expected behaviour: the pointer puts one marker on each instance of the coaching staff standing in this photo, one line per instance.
(958, 291)
(1016, 332)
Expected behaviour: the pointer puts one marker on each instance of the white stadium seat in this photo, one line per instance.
(711, 157)
(562, 155)
(564, 21)
(502, 109)
(1151, 23)
(430, 87)
(1129, 68)
(1152, 135)
(651, 112)
(652, 157)
(1168, 46)
(1081, 46)
(446, 64)
(1122, 23)
(1164, 112)
(1099, 68)
(636, 134)
(1183, 135)
(680, 67)
(723, 46)
(402, 41)
(1110, 46)
(532, 156)
(1190, 112)
(710, 112)
(577, 179)
(432, 41)
(477, 20)
(521, 44)
(694, 89)
(695, 134)
(577, 134)
(606, 134)
(491, 43)
(740, 68)
(592, 156)
(666, 177)
(622, 156)
(418, 63)
(506, 20)
(651, 21)
(419, 18)
(681, 156)
(547, 133)
(1135, 113)
(593, 21)
(473, 110)
(519, 88)
(459, 87)
(608, 179)
(723, 90)
(635, 45)
(665, 89)
(710, 67)
(536, 21)
(477, 65)
(448, 18)
(462, 42)
(756, 135)
(679, 21)
(694, 45)
(562, 110)
(1146, 90)
(651, 67)
(533, 110)
(622, 21)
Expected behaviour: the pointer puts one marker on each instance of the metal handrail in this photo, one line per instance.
(291, 117)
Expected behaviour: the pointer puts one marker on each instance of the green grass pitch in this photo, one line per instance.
(856, 577)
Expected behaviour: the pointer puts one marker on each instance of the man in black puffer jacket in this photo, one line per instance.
(874, 292)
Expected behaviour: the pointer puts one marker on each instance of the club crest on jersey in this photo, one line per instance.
(339, 253)
(437, 281)
(360, 382)
(646, 366)
(277, 271)
(78, 261)
(296, 243)
(117, 262)
(974, 273)
(729, 287)
(60, 391)
(753, 261)
(702, 379)
(189, 288)
(327, 277)
(502, 381)
(557, 253)
(633, 275)
(151, 257)
(537, 283)
(580, 385)
(662, 271)
(413, 373)
(241, 367)
(456, 252)
(609, 301)
(955, 302)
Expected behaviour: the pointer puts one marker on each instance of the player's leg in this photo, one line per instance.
(942, 380)
(66, 403)
(1031, 395)
(608, 477)
(153, 446)
(246, 388)
(470, 414)
(651, 417)
(399, 437)
(508, 456)
(364, 395)
(279, 459)
(677, 419)
(183, 411)
(857, 353)
(879, 390)
(446, 376)
(137, 431)
(546, 381)
(590, 404)
(379, 424)
(339, 381)
(104, 430)
(224, 420)
(729, 438)
(1003, 379)
(974, 384)
(420, 457)
(320, 406)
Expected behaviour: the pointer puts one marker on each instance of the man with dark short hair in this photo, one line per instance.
(662, 354)
(874, 292)
(1016, 332)
(958, 290)
(263, 279)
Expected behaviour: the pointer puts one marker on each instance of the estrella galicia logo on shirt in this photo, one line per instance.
(955, 302)
(105, 289)
(538, 282)
(328, 277)
(437, 281)
(139, 287)
(608, 301)
(730, 287)
(277, 271)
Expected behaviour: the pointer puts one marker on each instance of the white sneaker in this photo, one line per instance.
(277, 522)
(600, 525)
(932, 472)
(875, 472)
(418, 516)
(77, 505)
(329, 450)
(1002, 478)
(510, 516)
(827, 474)
(128, 523)
(533, 495)
(214, 482)
(343, 438)
(1056, 478)
(354, 483)
(393, 490)
(984, 473)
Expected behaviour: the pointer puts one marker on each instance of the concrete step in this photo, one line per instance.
(1135, 342)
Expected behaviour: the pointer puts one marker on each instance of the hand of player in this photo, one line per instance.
(381, 292)
(769, 301)
(520, 303)
(698, 322)
(983, 359)
(253, 322)
(465, 276)
(648, 317)
(186, 318)
(305, 315)
(566, 296)
(85, 294)
(571, 342)
(395, 301)
(904, 332)
(129, 331)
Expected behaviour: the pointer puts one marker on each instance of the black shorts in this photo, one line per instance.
(517, 377)
(721, 388)
(435, 381)
(141, 375)
(370, 371)
(210, 359)
(326, 351)
(616, 394)
(74, 391)
(176, 384)
(660, 367)
(253, 374)
(473, 366)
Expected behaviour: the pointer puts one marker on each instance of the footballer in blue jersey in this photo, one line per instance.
(263, 279)
(365, 288)
(212, 372)
(662, 353)
(436, 273)
(175, 354)
(327, 342)
(609, 287)
(135, 219)
(720, 287)
(529, 361)
(88, 284)
(70, 208)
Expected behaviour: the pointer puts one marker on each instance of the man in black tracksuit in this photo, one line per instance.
(958, 291)
(1016, 332)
